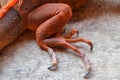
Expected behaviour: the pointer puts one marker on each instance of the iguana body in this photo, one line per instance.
(48, 19)
(24, 10)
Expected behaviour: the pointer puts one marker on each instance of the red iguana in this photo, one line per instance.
(48, 19)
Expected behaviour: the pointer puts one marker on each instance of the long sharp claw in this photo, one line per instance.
(91, 45)
(87, 75)
(53, 67)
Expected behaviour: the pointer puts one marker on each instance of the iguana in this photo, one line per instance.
(48, 19)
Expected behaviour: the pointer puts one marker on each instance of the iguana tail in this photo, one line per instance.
(7, 7)
(10, 27)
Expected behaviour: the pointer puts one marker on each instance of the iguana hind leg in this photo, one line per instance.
(61, 41)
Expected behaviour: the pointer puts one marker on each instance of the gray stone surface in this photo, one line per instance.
(98, 21)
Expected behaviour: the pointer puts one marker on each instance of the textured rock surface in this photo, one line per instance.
(98, 21)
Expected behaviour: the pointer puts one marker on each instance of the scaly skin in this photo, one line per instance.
(48, 20)
(10, 27)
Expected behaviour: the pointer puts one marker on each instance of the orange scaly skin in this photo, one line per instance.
(7, 7)
(49, 20)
